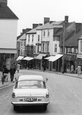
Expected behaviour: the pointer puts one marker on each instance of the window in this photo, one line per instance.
(80, 46)
(32, 38)
(28, 38)
(72, 49)
(55, 38)
(55, 48)
(43, 33)
(38, 38)
(48, 47)
(42, 47)
(48, 33)
(21, 43)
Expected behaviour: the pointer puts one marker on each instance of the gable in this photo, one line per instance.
(6, 13)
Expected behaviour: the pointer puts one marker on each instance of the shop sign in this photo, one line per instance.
(79, 55)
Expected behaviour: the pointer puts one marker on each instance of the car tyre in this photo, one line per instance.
(15, 107)
(44, 107)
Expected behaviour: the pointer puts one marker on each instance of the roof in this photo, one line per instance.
(73, 40)
(33, 31)
(6, 13)
(30, 77)
(54, 24)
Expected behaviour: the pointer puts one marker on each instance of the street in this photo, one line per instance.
(65, 96)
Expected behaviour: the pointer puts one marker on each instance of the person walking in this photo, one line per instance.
(12, 72)
(5, 72)
(18, 67)
(79, 69)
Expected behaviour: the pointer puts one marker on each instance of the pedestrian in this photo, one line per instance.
(79, 69)
(5, 72)
(12, 72)
(18, 67)
(72, 69)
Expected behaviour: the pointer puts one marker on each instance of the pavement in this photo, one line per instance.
(7, 83)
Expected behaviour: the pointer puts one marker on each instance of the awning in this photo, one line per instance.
(40, 56)
(49, 57)
(19, 58)
(54, 58)
(28, 58)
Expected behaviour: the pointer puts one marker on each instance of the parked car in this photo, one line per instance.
(30, 90)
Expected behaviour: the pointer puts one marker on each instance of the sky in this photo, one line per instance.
(34, 11)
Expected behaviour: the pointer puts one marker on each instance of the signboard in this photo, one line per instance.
(79, 56)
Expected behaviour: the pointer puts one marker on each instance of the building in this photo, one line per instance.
(33, 41)
(8, 33)
(21, 43)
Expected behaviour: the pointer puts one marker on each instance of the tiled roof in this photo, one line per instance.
(73, 40)
(33, 31)
(54, 24)
(6, 13)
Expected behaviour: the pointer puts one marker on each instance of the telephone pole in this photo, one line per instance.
(63, 47)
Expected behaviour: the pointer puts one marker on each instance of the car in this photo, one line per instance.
(30, 90)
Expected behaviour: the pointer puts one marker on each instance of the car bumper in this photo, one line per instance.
(30, 103)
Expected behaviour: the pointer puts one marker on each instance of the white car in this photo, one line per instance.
(30, 90)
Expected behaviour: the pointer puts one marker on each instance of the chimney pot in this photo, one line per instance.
(46, 20)
(66, 19)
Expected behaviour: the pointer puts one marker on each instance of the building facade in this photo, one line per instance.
(8, 33)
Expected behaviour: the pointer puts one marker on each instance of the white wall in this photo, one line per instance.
(8, 33)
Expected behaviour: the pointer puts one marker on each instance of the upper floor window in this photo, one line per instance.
(44, 33)
(38, 38)
(56, 38)
(48, 47)
(28, 38)
(72, 49)
(32, 38)
(81, 46)
(21, 43)
(55, 48)
(48, 33)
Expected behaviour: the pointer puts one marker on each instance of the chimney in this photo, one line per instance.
(46, 19)
(66, 19)
(3, 2)
(34, 25)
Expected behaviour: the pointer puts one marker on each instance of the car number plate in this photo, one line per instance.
(30, 99)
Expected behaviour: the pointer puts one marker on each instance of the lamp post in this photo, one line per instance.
(63, 47)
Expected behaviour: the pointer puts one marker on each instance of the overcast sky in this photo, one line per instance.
(34, 11)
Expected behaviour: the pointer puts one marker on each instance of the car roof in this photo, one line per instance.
(30, 77)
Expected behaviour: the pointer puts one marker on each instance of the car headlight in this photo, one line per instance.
(13, 95)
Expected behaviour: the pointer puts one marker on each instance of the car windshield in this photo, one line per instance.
(30, 84)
